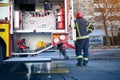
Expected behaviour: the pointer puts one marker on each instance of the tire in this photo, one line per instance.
(1, 56)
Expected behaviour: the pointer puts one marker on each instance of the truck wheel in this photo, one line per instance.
(1, 56)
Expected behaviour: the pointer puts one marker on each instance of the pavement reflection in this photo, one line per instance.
(28, 71)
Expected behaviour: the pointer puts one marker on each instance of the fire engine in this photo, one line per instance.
(42, 23)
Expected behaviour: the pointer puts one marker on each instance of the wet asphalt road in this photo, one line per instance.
(96, 70)
(103, 65)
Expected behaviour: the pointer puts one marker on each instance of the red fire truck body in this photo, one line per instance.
(42, 23)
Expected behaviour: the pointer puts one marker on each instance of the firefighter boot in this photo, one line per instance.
(85, 62)
(79, 63)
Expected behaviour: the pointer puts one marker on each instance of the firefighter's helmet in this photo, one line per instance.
(79, 15)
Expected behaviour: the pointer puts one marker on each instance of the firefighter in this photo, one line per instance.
(21, 44)
(83, 28)
(61, 47)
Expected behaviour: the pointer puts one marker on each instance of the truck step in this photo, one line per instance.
(27, 60)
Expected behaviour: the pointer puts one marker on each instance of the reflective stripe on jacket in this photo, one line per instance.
(83, 28)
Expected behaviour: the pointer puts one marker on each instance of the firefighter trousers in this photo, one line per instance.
(82, 46)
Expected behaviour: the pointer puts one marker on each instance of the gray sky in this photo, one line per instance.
(4, 12)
